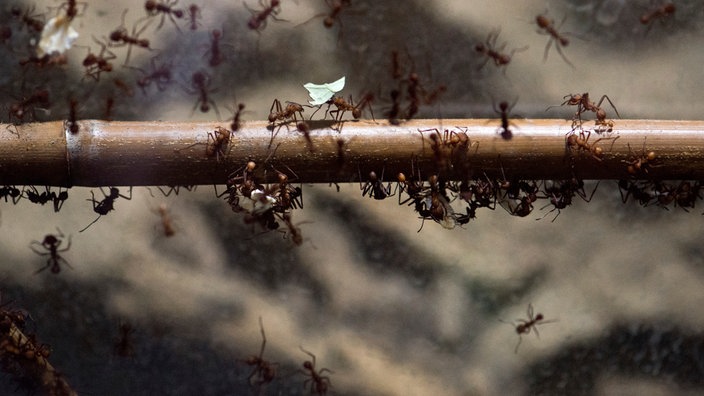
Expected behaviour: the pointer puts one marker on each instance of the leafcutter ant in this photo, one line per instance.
(264, 371)
(166, 223)
(258, 20)
(503, 110)
(638, 192)
(336, 7)
(581, 143)
(194, 15)
(318, 383)
(488, 48)
(160, 75)
(220, 140)
(642, 162)
(584, 104)
(304, 128)
(50, 246)
(96, 64)
(164, 7)
(216, 55)
(104, 207)
(121, 37)
(284, 115)
(525, 326)
(71, 7)
(546, 26)
(200, 85)
(237, 117)
(661, 12)
(19, 109)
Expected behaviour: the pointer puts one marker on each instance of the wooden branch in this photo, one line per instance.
(158, 153)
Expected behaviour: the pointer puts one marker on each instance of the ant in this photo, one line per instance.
(104, 207)
(121, 37)
(123, 86)
(160, 75)
(27, 18)
(175, 189)
(660, 12)
(59, 199)
(51, 244)
(96, 64)
(336, 7)
(546, 26)
(640, 163)
(374, 187)
(216, 55)
(12, 192)
(35, 197)
(264, 371)
(304, 128)
(296, 235)
(318, 383)
(19, 110)
(393, 114)
(582, 143)
(503, 111)
(166, 222)
(194, 15)
(258, 20)
(638, 193)
(71, 122)
(525, 326)
(165, 7)
(72, 9)
(200, 85)
(489, 49)
(285, 114)
(584, 104)
(123, 344)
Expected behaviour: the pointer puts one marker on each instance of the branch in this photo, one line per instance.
(158, 153)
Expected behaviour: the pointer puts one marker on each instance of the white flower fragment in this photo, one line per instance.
(321, 93)
(57, 36)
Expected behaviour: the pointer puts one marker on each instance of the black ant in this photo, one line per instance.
(374, 187)
(51, 244)
(660, 12)
(104, 207)
(12, 192)
(503, 110)
(194, 15)
(165, 7)
(264, 371)
(38, 198)
(488, 48)
(71, 123)
(216, 55)
(159, 75)
(525, 326)
(200, 85)
(318, 383)
(121, 37)
(59, 199)
(546, 26)
(236, 118)
(258, 20)
(638, 193)
(96, 64)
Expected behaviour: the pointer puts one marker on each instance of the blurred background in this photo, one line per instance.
(390, 310)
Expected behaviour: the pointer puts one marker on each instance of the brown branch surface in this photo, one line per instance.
(157, 153)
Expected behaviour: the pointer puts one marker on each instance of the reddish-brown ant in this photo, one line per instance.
(200, 85)
(318, 383)
(27, 18)
(216, 55)
(236, 118)
(336, 7)
(642, 162)
(581, 143)
(159, 75)
(264, 371)
(584, 104)
(546, 26)
(220, 141)
(488, 48)
(660, 12)
(258, 20)
(525, 326)
(96, 64)
(51, 244)
(166, 223)
(104, 207)
(285, 114)
(20, 109)
(121, 37)
(123, 344)
(164, 7)
(194, 15)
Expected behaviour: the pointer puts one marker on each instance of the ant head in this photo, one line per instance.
(283, 178)
(503, 106)
(372, 177)
(542, 21)
(480, 47)
(328, 22)
(50, 240)
(308, 365)
(564, 41)
(55, 269)
(250, 166)
(401, 178)
(114, 192)
(539, 316)
(178, 13)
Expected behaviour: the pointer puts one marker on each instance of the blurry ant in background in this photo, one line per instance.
(27, 18)
(304, 128)
(394, 113)
(194, 15)
(258, 20)
(374, 187)
(123, 344)
(503, 110)
(160, 75)
(216, 55)
(581, 142)
(164, 7)
(658, 13)
(123, 86)
(525, 326)
(264, 371)
(546, 26)
(96, 64)
(318, 383)
(25, 106)
(166, 223)
(336, 7)
(51, 244)
(296, 235)
(200, 85)
(104, 207)
(121, 37)
(488, 48)
(237, 117)
(71, 123)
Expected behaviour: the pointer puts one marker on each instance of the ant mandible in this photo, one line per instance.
(318, 383)
(103, 207)
(525, 326)
(51, 244)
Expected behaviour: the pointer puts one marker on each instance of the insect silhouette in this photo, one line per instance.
(11, 191)
(71, 7)
(264, 371)
(503, 110)
(200, 85)
(104, 207)
(660, 12)
(121, 37)
(50, 246)
(34, 196)
(71, 123)
(259, 18)
(160, 75)
(164, 7)
(237, 118)
(525, 326)
(488, 49)
(546, 26)
(194, 15)
(374, 187)
(319, 383)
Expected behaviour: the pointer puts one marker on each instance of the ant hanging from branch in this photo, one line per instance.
(488, 48)
(121, 37)
(374, 187)
(525, 326)
(104, 207)
(318, 382)
(11, 191)
(264, 371)
(546, 26)
(51, 244)
(640, 163)
(164, 7)
(584, 104)
(160, 75)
